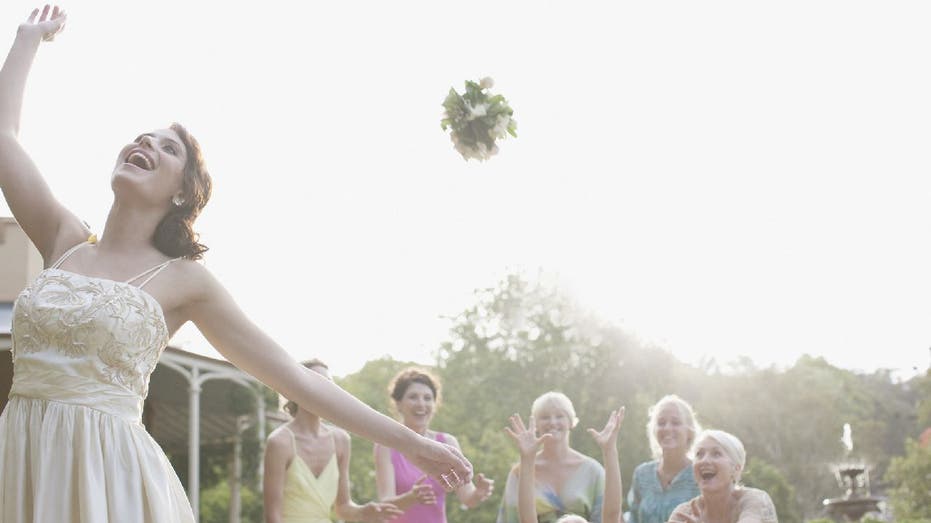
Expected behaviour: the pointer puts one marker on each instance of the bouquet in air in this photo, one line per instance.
(477, 119)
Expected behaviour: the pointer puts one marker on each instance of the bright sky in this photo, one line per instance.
(721, 178)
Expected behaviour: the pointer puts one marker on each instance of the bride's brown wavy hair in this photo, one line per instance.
(174, 235)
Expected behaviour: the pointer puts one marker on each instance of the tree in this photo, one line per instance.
(369, 384)
(910, 477)
(524, 337)
(764, 476)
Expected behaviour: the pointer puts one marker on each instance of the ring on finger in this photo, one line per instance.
(451, 479)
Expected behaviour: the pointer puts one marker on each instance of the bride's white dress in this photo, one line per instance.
(72, 444)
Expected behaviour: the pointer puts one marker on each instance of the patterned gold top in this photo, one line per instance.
(74, 333)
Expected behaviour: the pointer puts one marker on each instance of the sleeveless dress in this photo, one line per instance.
(308, 498)
(582, 494)
(72, 444)
(405, 475)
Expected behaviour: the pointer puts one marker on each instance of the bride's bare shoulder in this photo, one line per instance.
(193, 277)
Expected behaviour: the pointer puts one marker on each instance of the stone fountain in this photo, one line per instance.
(854, 478)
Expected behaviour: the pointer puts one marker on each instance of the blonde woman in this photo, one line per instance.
(658, 486)
(719, 461)
(529, 444)
(565, 480)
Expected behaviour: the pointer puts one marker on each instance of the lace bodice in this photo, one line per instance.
(93, 330)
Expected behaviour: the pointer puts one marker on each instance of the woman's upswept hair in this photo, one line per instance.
(174, 235)
(688, 419)
(404, 379)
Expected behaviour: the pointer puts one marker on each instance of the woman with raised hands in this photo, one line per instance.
(554, 482)
(529, 445)
(88, 331)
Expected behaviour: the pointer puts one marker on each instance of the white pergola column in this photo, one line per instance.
(193, 464)
(260, 419)
(197, 373)
(242, 423)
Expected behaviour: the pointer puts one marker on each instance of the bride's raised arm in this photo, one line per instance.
(50, 226)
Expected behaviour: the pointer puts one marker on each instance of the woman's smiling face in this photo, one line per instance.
(713, 468)
(417, 405)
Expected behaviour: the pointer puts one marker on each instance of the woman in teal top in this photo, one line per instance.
(660, 485)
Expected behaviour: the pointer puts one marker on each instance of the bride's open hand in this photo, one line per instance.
(51, 21)
(442, 462)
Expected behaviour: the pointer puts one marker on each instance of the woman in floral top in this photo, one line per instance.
(566, 481)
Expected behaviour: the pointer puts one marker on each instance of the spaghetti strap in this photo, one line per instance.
(152, 272)
(67, 254)
(293, 440)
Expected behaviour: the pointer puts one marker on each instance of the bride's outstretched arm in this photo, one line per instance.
(228, 329)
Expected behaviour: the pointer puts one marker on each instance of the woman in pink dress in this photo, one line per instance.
(398, 481)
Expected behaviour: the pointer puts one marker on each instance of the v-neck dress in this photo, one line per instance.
(405, 475)
(308, 498)
(581, 495)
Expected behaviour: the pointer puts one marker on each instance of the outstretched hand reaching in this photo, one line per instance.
(607, 437)
(525, 437)
(442, 462)
(50, 22)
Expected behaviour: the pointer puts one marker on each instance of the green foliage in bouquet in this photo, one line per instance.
(477, 119)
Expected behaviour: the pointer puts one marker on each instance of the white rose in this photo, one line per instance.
(483, 152)
(486, 83)
(478, 111)
(501, 126)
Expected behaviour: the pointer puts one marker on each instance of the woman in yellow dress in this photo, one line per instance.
(306, 476)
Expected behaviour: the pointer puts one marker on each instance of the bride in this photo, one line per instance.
(88, 332)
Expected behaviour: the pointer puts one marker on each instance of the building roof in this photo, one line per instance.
(222, 400)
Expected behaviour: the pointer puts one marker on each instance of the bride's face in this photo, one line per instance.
(152, 166)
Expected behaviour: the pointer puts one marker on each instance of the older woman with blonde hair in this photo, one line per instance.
(658, 486)
(555, 482)
(529, 444)
(719, 462)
